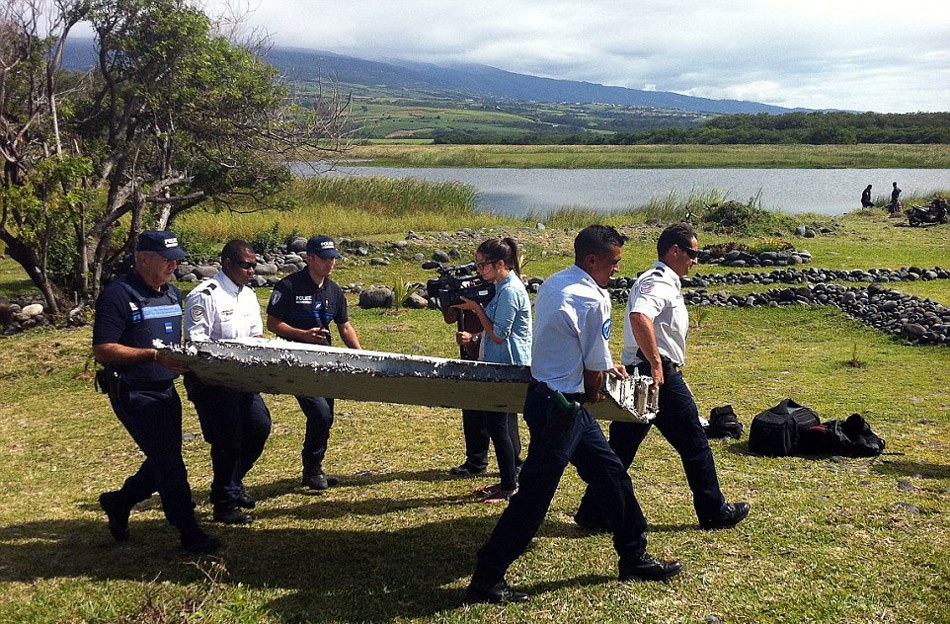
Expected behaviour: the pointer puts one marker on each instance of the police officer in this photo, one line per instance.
(569, 359)
(131, 314)
(655, 328)
(236, 424)
(301, 309)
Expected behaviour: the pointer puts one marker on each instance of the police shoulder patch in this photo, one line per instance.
(605, 329)
(645, 286)
(274, 298)
(197, 312)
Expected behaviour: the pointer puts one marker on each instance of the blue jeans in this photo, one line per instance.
(678, 422)
(582, 444)
(236, 425)
(151, 413)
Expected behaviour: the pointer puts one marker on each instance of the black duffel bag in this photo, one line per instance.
(776, 431)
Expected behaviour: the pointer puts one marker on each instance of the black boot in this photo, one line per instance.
(245, 500)
(117, 511)
(231, 513)
(646, 568)
(195, 540)
(315, 479)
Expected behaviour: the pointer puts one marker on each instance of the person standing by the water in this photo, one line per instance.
(895, 200)
(866, 198)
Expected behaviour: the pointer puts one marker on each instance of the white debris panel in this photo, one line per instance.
(282, 367)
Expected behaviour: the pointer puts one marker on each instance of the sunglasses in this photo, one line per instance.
(244, 264)
(689, 251)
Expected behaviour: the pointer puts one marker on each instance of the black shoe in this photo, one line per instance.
(731, 515)
(466, 470)
(194, 539)
(245, 500)
(117, 513)
(590, 525)
(230, 513)
(646, 568)
(315, 479)
(499, 593)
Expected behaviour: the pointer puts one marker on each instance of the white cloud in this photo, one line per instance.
(868, 55)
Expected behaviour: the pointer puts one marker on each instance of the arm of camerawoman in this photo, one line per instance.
(645, 335)
(115, 353)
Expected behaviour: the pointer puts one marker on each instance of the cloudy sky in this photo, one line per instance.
(868, 55)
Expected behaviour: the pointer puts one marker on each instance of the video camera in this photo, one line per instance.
(455, 282)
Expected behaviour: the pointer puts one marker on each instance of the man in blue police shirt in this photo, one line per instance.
(656, 323)
(132, 314)
(301, 309)
(570, 356)
(235, 423)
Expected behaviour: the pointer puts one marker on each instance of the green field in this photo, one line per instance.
(377, 114)
(829, 539)
(658, 156)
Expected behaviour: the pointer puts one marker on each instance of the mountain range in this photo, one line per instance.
(481, 82)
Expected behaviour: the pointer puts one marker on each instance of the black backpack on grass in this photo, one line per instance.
(852, 437)
(777, 430)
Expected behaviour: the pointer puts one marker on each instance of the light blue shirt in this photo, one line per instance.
(571, 329)
(510, 314)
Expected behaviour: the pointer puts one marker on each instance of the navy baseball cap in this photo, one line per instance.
(163, 243)
(323, 246)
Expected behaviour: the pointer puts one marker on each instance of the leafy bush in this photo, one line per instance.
(736, 215)
(769, 244)
(266, 241)
(198, 247)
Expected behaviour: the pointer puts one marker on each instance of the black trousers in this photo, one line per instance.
(475, 427)
(678, 422)
(236, 425)
(319, 413)
(151, 413)
(582, 444)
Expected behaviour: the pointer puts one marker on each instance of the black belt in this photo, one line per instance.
(150, 385)
(665, 362)
(580, 397)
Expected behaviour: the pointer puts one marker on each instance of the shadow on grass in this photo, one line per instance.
(350, 575)
(912, 469)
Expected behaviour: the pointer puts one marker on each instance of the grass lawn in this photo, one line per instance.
(829, 539)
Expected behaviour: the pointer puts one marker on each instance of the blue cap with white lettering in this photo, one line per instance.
(323, 246)
(161, 242)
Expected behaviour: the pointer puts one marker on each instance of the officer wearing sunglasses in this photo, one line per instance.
(236, 424)
(656, 323)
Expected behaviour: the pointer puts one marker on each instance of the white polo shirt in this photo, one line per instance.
(571, 330)
(657, 294)
(218, 309)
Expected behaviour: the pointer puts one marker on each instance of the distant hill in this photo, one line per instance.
(485, 82)
(407, 79)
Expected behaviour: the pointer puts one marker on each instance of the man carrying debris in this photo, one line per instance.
(301, 309)
(655, 326)
(132, 314)
(236, 424)
(569, 358)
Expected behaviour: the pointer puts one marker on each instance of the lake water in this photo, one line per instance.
(516, 191)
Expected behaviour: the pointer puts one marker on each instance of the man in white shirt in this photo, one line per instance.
(570, 356)
(236, 424)
(655, 328)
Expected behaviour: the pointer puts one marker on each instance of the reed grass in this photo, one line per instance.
(658, 156)
(349, 206)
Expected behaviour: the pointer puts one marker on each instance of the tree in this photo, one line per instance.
(174, 115)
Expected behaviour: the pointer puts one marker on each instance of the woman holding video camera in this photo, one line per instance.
(506, 339)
